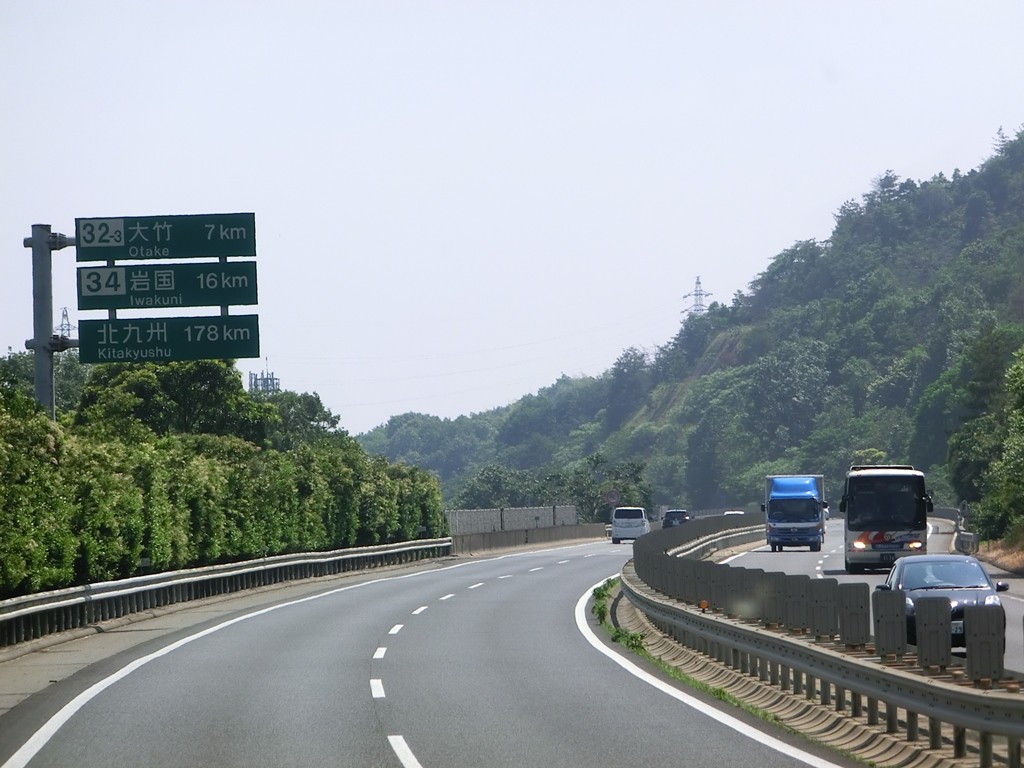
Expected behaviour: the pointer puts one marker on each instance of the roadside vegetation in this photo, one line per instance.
(161, 467)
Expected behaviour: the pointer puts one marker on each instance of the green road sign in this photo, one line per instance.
(145, 286)
(166, 339)
(166, 237)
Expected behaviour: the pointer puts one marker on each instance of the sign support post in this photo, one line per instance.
(44, 342)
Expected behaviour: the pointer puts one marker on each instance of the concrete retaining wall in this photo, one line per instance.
(467, 521)
(475, 543)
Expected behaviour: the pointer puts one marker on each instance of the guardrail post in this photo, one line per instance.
(985, 750)
(774, 610)
(856, 704)
(890, 611)
(912, 729)
(1013, 752)
(892, 717)
(824, 595)
(798, 589)
(959, 741)
(872, 711)
(985, 638)
(933, 625)
(934, 733)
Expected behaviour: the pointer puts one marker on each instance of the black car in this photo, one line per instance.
(674, 517)
(961, 578)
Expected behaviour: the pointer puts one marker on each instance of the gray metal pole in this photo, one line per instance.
(43, 342)
(42, 316)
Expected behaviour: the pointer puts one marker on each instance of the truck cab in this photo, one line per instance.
(795, 511)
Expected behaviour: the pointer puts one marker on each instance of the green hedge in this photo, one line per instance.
(77, 507)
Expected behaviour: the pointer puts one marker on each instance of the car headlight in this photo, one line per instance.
(910, 607)
(992, 600)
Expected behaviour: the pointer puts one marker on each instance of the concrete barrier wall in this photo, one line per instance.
(466, 521)
(475, 543)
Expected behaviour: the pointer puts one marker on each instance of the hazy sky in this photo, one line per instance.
(458, 202)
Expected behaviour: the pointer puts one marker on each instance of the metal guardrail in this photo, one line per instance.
(748, 621)
(34, 616)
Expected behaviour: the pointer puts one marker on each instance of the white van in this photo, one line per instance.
(629, 523)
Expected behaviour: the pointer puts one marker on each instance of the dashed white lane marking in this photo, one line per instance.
(377, 688)
(447, 597)
(395, 629)
(478, 584)
(405, 755)
(506, 576)
(539, 568)
(562, 562)
(419, 610)
(725, 719)
(42, 736)
(379, 653)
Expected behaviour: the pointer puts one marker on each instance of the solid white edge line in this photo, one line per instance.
(405, 755)
(38, 740)
(727, 720)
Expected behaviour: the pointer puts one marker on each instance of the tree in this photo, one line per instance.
(301, 419)
(197, 397)
(496, 487)
(629, 381)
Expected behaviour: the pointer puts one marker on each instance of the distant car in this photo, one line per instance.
(674, 517)
(961, 578)
(629, 523)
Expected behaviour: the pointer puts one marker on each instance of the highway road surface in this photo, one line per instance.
(457, 664)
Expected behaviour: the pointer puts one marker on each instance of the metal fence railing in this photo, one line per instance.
(38, 615)
(800, 634)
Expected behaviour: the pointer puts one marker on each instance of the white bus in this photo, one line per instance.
(886, 508)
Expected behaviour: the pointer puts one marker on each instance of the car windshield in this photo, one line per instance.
(958, 574)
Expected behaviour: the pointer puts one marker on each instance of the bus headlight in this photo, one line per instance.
(859, 545)
(915, 544)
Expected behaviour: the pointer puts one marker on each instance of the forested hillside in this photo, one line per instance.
(896, 340)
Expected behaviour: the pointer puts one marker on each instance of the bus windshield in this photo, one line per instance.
(886, 503)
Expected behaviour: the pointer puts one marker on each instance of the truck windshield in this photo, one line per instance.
(793, 510)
